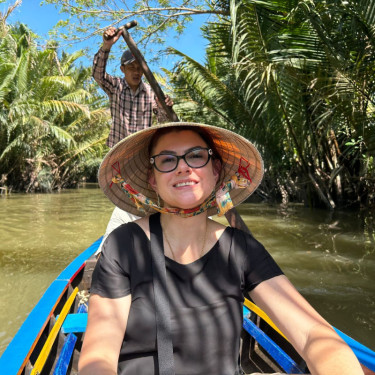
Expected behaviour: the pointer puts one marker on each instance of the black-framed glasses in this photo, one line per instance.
(196, 158)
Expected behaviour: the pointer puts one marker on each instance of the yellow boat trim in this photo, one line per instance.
(43, 355)
(257, 310)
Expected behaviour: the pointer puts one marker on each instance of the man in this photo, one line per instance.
(132, 103)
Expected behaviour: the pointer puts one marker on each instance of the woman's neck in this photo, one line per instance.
(185, 239)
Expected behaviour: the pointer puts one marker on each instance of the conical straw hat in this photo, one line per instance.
(130, 158)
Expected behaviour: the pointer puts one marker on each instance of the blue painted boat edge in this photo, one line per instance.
(365, 355)
(274, 350)
(72, 268)
(19, 349)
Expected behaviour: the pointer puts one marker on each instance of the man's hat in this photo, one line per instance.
(129, 161)
(127, 57)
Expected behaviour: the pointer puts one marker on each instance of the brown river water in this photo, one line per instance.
(330, 257)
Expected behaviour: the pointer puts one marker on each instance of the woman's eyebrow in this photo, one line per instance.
(170, 152)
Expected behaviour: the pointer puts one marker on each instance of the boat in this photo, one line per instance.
(50, 339)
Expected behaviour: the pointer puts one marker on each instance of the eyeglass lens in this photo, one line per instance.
(196, 158)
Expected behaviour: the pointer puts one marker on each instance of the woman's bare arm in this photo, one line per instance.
(106, 325)
(311, 335)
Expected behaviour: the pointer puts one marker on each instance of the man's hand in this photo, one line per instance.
(168, 101)
(110, 37)
(159, 111)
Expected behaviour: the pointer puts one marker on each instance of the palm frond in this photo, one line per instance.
(61, 106)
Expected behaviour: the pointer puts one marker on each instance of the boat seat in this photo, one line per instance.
(74, 323)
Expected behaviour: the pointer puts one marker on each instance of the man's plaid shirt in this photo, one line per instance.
(130, 111)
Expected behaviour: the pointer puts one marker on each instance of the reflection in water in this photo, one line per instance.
(329, 256)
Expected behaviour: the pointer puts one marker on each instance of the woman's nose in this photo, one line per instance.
(182, 166)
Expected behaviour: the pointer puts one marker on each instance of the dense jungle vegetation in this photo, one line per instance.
(296, 77)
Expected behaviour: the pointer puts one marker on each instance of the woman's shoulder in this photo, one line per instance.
(120, 243)
(245, 243)
(233, 235)
(124, 230)
(125, 234)
(144, 224)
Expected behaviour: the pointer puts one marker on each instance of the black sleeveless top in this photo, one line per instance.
(206, 299)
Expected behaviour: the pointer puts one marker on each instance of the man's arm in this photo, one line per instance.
(105, 81)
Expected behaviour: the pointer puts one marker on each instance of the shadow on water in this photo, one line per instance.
(330, 257)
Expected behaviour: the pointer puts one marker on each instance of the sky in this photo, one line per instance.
(41, 19)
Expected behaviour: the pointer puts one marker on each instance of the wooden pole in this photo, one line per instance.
(233, 217)
(148, 74)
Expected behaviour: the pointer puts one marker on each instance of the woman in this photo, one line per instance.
(187, 172)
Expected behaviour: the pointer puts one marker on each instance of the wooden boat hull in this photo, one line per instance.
(23, 350)
(35, 350)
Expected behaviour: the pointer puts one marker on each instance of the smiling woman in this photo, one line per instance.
(177, 309)
(241, 167)
(194, 177)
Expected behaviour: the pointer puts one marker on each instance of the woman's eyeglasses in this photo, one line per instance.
(196, 158)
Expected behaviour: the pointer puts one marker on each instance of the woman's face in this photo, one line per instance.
(184, 187)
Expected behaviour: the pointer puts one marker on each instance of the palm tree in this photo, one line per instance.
(297, 78)
(53, 122)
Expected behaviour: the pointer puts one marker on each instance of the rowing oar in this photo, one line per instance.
(146, 70)
(233, 217)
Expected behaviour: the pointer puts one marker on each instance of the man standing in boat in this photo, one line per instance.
(132, 103)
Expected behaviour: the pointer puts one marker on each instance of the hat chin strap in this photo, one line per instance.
(221, 199)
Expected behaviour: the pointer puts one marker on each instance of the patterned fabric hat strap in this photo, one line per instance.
(221, 199)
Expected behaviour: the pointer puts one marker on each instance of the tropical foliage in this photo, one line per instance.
(297, 78)
(157, 19)
(53, 123)
(294, 76)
